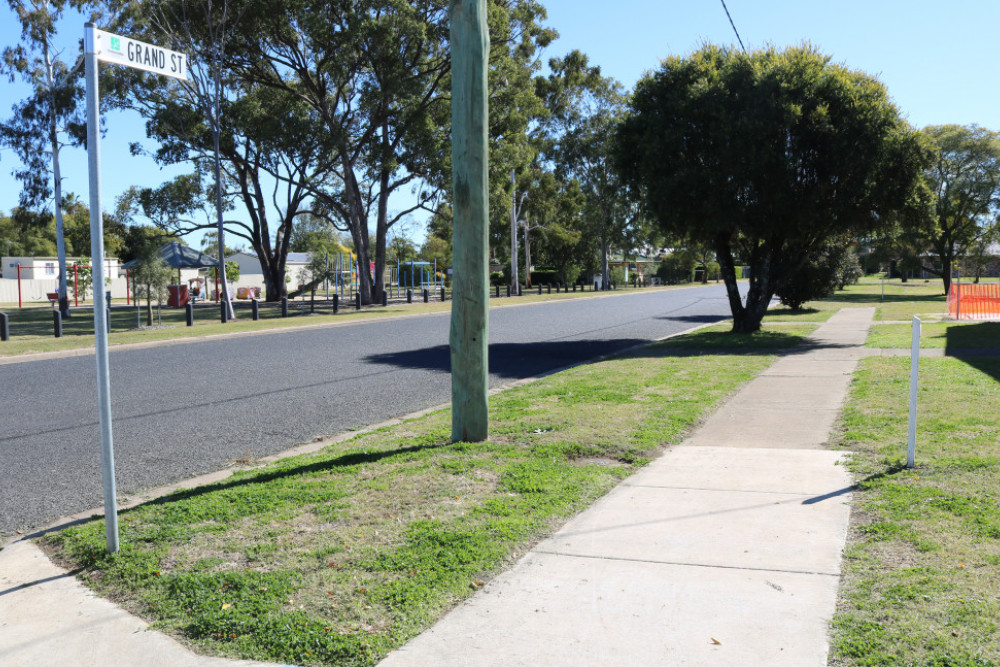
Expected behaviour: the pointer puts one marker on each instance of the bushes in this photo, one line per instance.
(675, 268)
(849, 270)
(828, 269)
(544, 277)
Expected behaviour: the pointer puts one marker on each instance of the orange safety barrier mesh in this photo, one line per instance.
(974, 302)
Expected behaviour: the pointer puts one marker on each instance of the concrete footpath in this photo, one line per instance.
(725, 551)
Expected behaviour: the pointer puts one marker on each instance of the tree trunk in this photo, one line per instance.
(605, 269)
(527, 258)
(358, 224)
(274, 281)
(149, 308)
(746, 316)
(57, 184)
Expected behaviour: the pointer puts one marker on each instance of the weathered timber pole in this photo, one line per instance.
(470, 49)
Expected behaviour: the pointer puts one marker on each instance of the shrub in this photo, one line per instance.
(674, 269)
(544, 277)
(849, 270)
(817, 278)
(617, 275)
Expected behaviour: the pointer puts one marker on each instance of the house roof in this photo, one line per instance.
(179, 256)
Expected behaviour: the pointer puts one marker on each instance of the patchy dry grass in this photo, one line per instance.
(922, 565)
(340, 556)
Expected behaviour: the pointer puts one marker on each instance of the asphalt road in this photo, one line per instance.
(183, 410)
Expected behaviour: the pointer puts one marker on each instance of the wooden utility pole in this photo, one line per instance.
(470, 50)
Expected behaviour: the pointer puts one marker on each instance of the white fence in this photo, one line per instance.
(34, 290)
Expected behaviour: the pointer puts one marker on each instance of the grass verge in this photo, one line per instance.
(341, 556)
(922, 567)
(894, 301)
(939, 335)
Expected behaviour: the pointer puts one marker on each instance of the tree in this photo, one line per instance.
(375, 73)
(964, 179)
(210, 246)
(44, 122)
(585, 108)
(273, 152)
(766, 156)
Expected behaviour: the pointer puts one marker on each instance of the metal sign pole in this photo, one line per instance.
(100, 323)
(911, 436)
(100, 45)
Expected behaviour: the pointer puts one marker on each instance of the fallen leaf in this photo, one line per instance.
(226, 606)
(715, 641)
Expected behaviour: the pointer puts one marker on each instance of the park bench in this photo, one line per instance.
(53, 298)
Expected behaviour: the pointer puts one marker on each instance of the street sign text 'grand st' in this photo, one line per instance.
(126, 51)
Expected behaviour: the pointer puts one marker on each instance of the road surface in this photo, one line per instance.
(183, 410)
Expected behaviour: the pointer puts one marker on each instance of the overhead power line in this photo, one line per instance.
(734, 26)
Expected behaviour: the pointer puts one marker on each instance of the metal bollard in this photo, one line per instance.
(4, 327)
(548, 289)
(57, 323)
(254, 309)
(336, 303)
(574, 288)
(107, 315)
(595, 285)
(223, 312)
(442, 294)
(385, 298)
(508, 290)
(357, 301)
(189, 313)
(426, 296)
(539, 290)
(312, 302)
(284, 306)
(498, 291)
(409, 296)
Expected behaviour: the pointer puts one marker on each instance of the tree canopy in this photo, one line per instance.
(964, 181)
(766, 156)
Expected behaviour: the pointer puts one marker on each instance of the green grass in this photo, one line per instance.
(718, 336)
(956, 335)
(922, 565)
(339, 557)
(900, 301)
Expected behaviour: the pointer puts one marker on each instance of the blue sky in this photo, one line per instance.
(937, 59)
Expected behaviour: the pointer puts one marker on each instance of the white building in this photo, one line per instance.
(33, 268)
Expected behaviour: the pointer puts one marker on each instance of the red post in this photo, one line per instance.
(128, 290)
(19, 285)
(76, 287)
